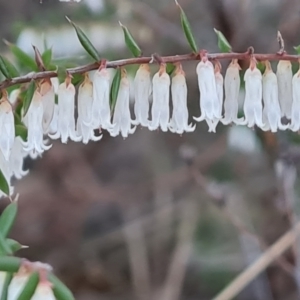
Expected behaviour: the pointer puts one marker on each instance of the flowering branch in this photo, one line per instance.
(149, 59)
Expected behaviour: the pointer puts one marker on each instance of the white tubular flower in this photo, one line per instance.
(7, 126)
(142, 91)
(34, 118)
(53, 127)
(253, 98)
(101, 117)
(43, 292)
(7, 173)
(48, 100)
(232, 90)
(271, 112)
(161, 97)
(17, 284)
(122, 119)
(284, 77)
(180, 116)
(85, 102)
(295, 114)
(17, 158)
(209, 102)
(66, 118)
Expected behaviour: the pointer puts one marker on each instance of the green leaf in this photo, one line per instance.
(170, 68)
(4, 187)
(12, 70)
(3, 68)
(29, 287)
(61, 292)
(223, 44)
(297, 48)
(85, 42)
(8, 218)
(21, 131)
(4, 246)
(8, 278)
(114, 91)
(14, 245)
(23, 58)
(185, 24)
(10, 264)
(76, 78)
(130, 42)
(28, 97)
(47, 57)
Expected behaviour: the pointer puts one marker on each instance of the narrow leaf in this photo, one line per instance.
(223, 44)
(4, 247)
(85, 42)
(29, 287)
(21, 131)
(10, 264)
(185, 24)
(61, 292)
(4, 187)
(12, 70)
(3, 68)
(8, 278)
(22, 57)
(114, 91)
(28, 97)
(297, 48)
(47, 57)
(8, 218)
(130, 42)
(38, 59)
(170, 68)
(14, 245)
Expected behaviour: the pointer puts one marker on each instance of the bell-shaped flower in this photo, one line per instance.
(232, 84)
(209, 101)
(34, 122)
(295, 114)
(122, 119)
(253, 98)
(180, 116)
(142, 91)
(66, 118)
(271, 111)
(7, 173)
(16, 159)
(85, 102)
(161, 97)
(7, 126)
(101, 117)
(53, 127)
(43, 291)
(285, 94)
(48, 99)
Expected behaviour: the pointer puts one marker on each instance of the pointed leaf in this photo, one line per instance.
(21, 131)
(85, 42)
(12, 70)
(10, 264)
(4, 247)
(61, 292)
(38, 59)
(22, 57)
(170, 68)
(4, 187)
(28, 97)
(114, 91)
(29, 287)
(130, 42)
(8, 218)
(223, 44)
(47, 57)
(3, 68)
(8, 278)
(14, 245)
(297, 48)
(185, 24)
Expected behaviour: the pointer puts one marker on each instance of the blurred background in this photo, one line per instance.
(158, 215)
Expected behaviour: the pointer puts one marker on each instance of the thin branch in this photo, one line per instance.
(145, 60)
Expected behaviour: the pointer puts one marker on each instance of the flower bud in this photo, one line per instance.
(253, 98)
(100, 109)
(232, 89)
(85, 102)
(209, 102)
(66, 118)
(122, 119)
(142, 91)
(180, 116)
(284, 77)
(7, 126)
(161, 96)
(271, 112)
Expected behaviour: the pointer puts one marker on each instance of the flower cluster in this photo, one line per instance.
(268, 98)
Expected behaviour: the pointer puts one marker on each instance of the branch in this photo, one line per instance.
(149, 59)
